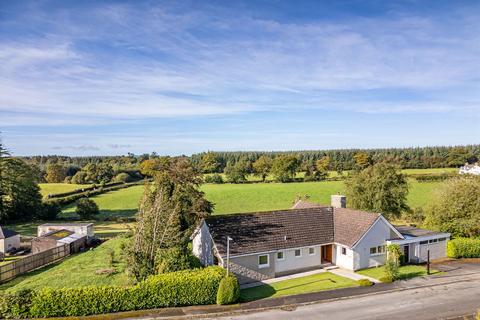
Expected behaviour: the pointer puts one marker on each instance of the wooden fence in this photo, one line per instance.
(32, 262)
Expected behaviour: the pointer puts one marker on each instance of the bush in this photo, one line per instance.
(86, 208)
(183, 288)
(386, 279)
(228, 291)
(364, 283)
(49, 211)
(463, 248)
(392, 264)
(213, 178)
(176, 259)
(123, 177)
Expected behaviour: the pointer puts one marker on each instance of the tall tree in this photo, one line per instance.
(152, 166)
(362, 160)
(237, 173)
(380, 188)
(209, 163)
(3, 153)
(170, 209)
(55, 173)
(262, 166)
(285, 167)
(455, 207)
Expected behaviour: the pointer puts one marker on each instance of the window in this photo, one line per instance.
(344, 250)
(373, 250)
(311, 251)
(423, 242)
(381, 249)
(263, 261)
(280, 255)
(432, 240)
(298, 253)
(442, 239)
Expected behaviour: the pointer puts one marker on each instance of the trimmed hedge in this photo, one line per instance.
(228, 291)
(463, 248)
(82, 190)
(432, 177)
(183, 288)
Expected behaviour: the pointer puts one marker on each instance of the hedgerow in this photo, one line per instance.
(463, 248)
(228, 291)
(191, 287)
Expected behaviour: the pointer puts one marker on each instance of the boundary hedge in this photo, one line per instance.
(183, 288)
(463, 248)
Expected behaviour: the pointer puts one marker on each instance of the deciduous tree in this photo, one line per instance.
(262, 166)
(209, 163)
(285, 167)
(56, 173)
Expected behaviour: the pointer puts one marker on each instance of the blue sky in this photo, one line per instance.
(179, 77)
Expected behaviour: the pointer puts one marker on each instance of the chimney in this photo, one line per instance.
(338, 201)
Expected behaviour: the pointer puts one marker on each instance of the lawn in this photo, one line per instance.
(78, 270)
(314, 283)
(51, 188)
(406, 272)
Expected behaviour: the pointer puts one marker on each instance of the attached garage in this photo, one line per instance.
(419, 242)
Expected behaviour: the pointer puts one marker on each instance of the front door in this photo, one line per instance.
(327, 253)
(406, 254)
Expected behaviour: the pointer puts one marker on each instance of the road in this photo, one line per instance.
(437, 302)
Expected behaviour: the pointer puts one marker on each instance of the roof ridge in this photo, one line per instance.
(226, 215)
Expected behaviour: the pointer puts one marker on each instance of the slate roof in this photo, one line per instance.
(305, 204)
(6, 233)
(273, 230)
(313, 224)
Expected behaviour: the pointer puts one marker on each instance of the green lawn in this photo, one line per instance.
(51, 188)
(314, 283)
(78, 270)
(430, 171)
(406, 272)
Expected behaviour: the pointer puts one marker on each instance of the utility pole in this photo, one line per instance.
(228, 254)
(428, 262)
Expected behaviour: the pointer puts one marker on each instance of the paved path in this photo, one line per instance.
(352, 275)
(436, 302)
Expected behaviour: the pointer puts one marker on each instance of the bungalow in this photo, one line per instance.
(265, 245)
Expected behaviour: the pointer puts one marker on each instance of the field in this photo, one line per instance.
(51, 188)
(81, 269)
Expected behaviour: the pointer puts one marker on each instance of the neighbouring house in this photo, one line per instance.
(265, 245)
(75, 241)
(9, 240)
(84, 229)
(470, 169)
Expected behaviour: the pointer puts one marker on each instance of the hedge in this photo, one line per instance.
(463, 248)
(228, 291)
(183, 288)
(432, 177)
(82, 190)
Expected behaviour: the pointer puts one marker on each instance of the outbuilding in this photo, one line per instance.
(9, 240)
(75, 241)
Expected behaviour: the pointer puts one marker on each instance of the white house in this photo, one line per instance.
(9, 240)
(270, 244)
(470, 169)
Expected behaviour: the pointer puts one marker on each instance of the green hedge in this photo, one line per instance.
(183, 288)
(228, 291)
(463, 248)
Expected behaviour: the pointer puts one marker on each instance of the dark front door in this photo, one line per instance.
(406, 254)
(327, 253)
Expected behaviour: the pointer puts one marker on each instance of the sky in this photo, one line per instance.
(181, 77)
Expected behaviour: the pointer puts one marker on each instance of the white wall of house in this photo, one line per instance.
(202, 245)
(437, 251)
(81, 229)
(10, 243)
(290, 262)
(376, 236)
(343, 260)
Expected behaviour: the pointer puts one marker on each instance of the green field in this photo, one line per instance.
(51, 188)
(79, 270)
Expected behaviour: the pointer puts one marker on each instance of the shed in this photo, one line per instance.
(57, 238)
(84, 229)
(9, 240)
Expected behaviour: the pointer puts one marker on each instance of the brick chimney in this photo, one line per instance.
(338, 201)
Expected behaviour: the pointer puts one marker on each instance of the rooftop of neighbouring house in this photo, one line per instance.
(6, 233)
(80, 224)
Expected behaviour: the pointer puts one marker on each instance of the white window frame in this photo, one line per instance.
(311, 254)
(374, 253)
(295, 251)
(377, 252)
(265, 265)
(283, 255)
(343, 251)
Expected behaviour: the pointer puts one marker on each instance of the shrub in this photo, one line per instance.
(392, 264)
(364, 283)
(176, 259)
(213, 178)
(86, 208)
(49, 211)
(463, 248)
(192, 287)
(386, 279)
(123, 177)
(228, 291)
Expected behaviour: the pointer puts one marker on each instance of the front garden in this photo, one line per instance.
(404, 272)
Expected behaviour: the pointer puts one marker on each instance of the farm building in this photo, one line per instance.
(9, 240)
(84, 229)
(56, 238)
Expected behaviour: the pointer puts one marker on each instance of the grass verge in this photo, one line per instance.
(406, 272)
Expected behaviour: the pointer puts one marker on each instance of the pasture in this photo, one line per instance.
(51, 188)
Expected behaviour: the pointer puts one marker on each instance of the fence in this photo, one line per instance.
(32, 262)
